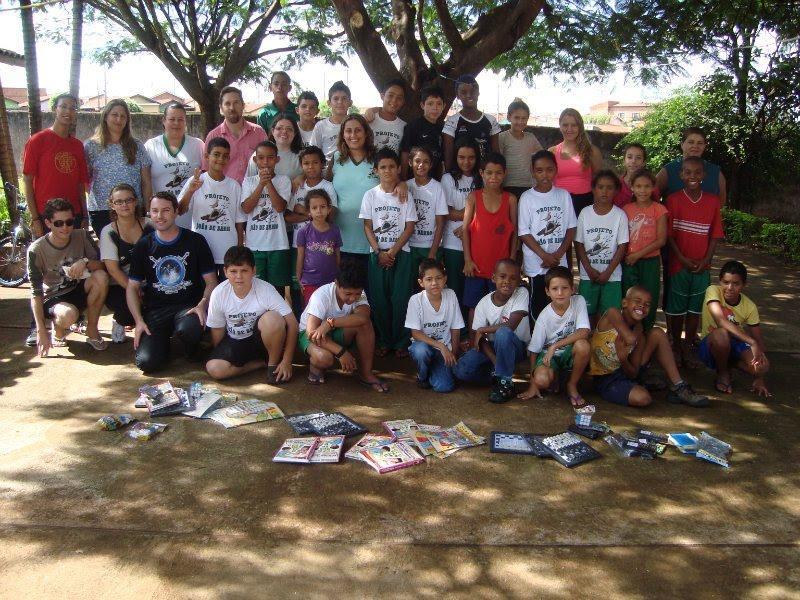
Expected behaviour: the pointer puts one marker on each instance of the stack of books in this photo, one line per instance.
(326, 449)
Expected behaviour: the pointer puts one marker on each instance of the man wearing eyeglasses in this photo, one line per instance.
(66, 278)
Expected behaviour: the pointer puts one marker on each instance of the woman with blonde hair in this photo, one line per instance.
(114, 156)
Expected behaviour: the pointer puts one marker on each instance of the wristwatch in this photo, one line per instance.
(341, 352)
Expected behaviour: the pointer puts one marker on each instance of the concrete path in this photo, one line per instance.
(201, 512)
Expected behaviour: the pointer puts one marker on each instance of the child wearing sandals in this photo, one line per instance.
(337, 317)
(560, 338)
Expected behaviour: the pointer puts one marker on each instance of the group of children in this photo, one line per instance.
(457, 238)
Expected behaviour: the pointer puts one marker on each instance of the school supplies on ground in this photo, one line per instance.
(160, 397)
(204, 404)
(391, 457)
(113, 422)
(300, 422)
(685, 442)
(328, 450)
(627, 447)
(143, 431)
(369, 440)
(401, 429)
(296, 450)
(245, 412)
(511, 442)
(713, 450)
(569, 450)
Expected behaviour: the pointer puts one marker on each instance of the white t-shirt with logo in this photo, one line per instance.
(455, 193)
(324, 305)
(325, 136)
(387, 134)
(240, 315)
(430, 202)
(215, 210)
(289, 165)
(436, 324)
(389, 216)
(306, 135)
(601, 235)
(171, 171)
(299, 197)
(488, 314)
(546, 217)
(266, 228)
(550, 327)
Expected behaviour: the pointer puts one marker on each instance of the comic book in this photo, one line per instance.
(369, 440)
(423, 442)
(466, 432)
(401, 429)
(246, 411)
(296, 450)
(391, 457)
(329, 449)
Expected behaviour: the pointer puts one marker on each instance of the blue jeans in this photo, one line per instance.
(474, 366)
(431, 367)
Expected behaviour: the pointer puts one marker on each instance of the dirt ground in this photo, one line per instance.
(202, 512)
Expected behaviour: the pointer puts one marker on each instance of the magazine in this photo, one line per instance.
(369, 440)
(391, 457)
(467, 433)
(423, 442)
(296, 450)
(299, 422)
(203, 405)
(401, 429)
(246, 411)
(329, 449)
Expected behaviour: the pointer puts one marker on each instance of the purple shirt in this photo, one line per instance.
(319, 262)
(242, 148)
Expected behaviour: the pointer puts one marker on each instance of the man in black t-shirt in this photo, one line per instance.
(177, 269)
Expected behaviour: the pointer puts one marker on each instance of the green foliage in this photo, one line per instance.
(780, 239)
(132, 106)
(741, 227)
(597, 118)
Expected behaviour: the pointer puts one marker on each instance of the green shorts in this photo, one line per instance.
(337, 335)
(561, 361)
(600, 296)
(274, 266)
(417, 256)
(646, 272)
(686, 292)
(293, 268)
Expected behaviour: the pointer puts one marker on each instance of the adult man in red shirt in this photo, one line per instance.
(54, 166)
(242, 135)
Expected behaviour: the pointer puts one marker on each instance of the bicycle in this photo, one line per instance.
(14, 246)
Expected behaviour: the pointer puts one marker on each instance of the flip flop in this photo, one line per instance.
(378, 385)
(315, 378)
(577, 401)
(721, 386)
(98, 344)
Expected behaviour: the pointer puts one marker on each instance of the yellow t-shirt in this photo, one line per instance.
(603, 358)
(744, 313)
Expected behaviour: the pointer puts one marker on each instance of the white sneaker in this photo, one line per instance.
(117, 333)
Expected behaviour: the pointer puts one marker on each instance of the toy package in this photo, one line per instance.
(143, 431)
(114, 422)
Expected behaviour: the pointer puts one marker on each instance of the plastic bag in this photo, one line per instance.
(113, 422)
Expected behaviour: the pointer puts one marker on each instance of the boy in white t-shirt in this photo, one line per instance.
(251, 325)
(434, 318)
(546, 227)
(336, 317)
(560, 338)
(264, 198)
(213, 200)
(387, 127)
(326, 131)
(307, 111)
(501, 331)
(601, 240)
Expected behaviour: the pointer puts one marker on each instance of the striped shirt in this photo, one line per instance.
(693, 224)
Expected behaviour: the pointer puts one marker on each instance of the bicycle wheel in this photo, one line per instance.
(13, 259)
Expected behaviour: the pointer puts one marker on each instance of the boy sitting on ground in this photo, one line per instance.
(560, 338)
(336, 317)
(726, 343)
(251, 325)
(620, 348)
(502, 331)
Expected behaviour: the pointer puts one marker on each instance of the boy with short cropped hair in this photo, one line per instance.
(601, 240)
(560, 338)
(338, 316)
(547, 225)
(326, 131)
(307, 111)
(264, 199)
(280, 84)
(621, 349)
(251, 325)
(695, 228)
(387, 127)
(732, 332)
(388, 225)
(425, 132)
(470, 122)
(501, 332)
(435, 321)
(214, 201)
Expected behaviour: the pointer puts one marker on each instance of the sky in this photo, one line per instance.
(146, 75)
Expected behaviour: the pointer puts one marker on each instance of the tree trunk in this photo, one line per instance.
(8, 168)
(208, 103)
(31, 68)
(77, 48)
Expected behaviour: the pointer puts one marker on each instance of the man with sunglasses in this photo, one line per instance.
(66, 278)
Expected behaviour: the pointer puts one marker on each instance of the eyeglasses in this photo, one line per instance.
(124, 201)
(67, 222)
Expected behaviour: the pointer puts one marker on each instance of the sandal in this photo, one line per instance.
(381, 352)
(576, 401)
(401, 353)
(315, 378)
(721, 386)
(98, 344)
(58, 342)
(378, 385)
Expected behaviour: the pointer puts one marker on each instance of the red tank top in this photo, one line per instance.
(489, 235)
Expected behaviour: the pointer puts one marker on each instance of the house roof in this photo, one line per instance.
(20, 95)
(165, 97)
(142, 99)
(9, 57)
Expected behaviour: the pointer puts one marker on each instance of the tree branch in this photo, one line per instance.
(411, 59)
(449, 28)
(423, 38)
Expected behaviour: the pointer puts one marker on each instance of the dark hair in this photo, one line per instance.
(124, 187)
(339, 86)
(385, 153)
(238, 256)
(495, 158)
(316, 193)
(297, 140)
(687, 131)
(431, 91)
(508, 262)
(468, 79)
(431, 263)
(734, 267)
(635, 145)
(605, 174)
(267, 144)
(694, 160)
(544, 154)
(284, 73)
(396, 81)
(369, 139)
(165, 195)
(415, 149)
(55, 205)
(556, 273)
(54, 102)
(308, 150)
(174, 105)
(229, 89)
(646, 173)
(351, 275)
(518, 104)
(217, 142)
(467, 142)
(307, 95)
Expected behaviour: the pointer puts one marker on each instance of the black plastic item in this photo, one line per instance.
(569, 450)
(592, 434)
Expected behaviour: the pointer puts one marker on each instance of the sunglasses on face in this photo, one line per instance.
(124, 202)
(67, 222)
